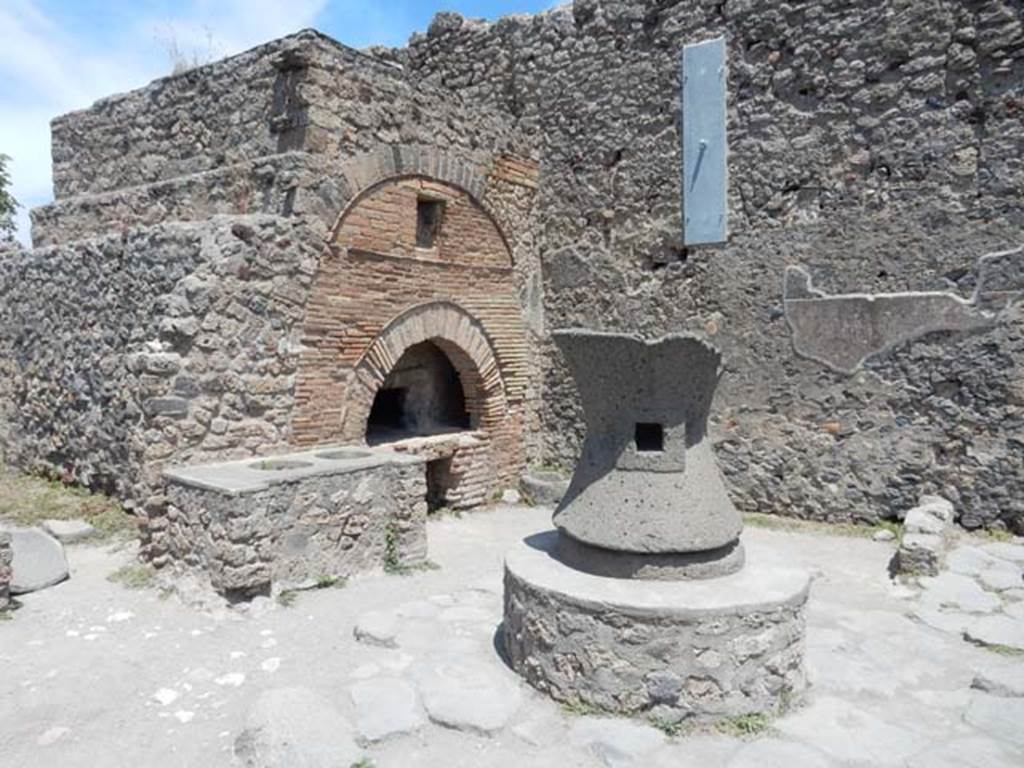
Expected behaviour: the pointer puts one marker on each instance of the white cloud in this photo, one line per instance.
(46, 71)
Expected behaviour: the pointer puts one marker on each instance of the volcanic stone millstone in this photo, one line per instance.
(646, 481)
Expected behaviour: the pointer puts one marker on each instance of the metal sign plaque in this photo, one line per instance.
(705, 173)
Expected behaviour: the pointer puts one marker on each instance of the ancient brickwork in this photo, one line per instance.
(879, 144)
(378, 293)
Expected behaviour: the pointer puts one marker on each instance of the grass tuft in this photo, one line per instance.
(134, 576)
(28, 500)
(744, 726)
(796, 525)
(579, 708)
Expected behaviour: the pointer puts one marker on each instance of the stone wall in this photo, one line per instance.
(298, 530)
(6, 557)
(879, 144)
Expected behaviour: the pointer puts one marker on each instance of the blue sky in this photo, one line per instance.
(60, 55)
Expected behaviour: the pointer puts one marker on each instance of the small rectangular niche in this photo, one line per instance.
(649, 438)
(429, 214)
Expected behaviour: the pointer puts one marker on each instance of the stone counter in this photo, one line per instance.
(262, 524)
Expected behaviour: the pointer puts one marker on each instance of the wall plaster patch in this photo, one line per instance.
(843, 331)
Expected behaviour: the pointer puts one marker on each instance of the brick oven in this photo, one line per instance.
(414, 338)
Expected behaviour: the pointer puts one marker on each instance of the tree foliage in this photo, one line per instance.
(8, 205)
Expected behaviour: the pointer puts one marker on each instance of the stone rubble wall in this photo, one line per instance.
(879, 144)
(299, 531)
(6, 558)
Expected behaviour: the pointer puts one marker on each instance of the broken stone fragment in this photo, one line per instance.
(68, 531)
(39, 561)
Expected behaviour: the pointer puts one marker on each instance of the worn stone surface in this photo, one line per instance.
(634, 492)
(1000, 631)
(295, 728)
(542, 487)
(997, 716)
(467, 695)
(861, 649)
(616, 743)
(38, 561)
(926, 529)
(385, 707)
(68, 531)
(679, 650)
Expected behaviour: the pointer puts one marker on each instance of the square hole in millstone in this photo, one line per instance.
(649, 438)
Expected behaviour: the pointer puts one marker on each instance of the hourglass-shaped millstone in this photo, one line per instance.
(647, 499)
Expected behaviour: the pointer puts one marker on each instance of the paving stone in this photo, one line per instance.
(849, 734)
(1014, 610)
(616, 742)
(997, 630)
(296, 728)
(970, 561)
(954, 591)
(771, 753)
(511, 496)
(540, 729)
(1004, 550)
(884, 535)
(68, 531)
(378, 628)
(38, 563)
(385, 707)
(1001, 577)
(970, 752)
(997, 716)
(697, 751)
(467, 694)
(1004, 680)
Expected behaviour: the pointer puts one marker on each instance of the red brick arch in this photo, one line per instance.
(463, 340)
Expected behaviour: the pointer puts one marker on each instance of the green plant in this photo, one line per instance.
(287, 597)
(797, 525)
(134, 576)
(577, 708)
(671, 728)
(364, 762)
(28, 500)
(744, 726)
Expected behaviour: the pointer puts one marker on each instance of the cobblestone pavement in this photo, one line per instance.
(403, 670)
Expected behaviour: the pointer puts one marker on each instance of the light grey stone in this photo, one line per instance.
(851, 735)
(946, 621)
(543, 488)
(295, 728)
(965, 752)
(511, 496)
(884, 535)
(938, 507)
(997, 716)
(970, 560)
(39, 561)
(1003, 680)
(772, 753)
(1014, 610)
(378, 628)
(1002, 577)
(617, 743)
(997, 630)
(68, 531)
(919, 554)
(953, 591)
(920, 520)
(385, 707)
(1004, 550)
(467, 694)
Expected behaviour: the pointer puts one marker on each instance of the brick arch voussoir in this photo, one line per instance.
(364, 173)
(457, 333)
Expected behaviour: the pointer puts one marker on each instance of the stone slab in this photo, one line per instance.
(615, 742)
(953, 591)
(1002, 631)
(385, 707)
(68, 531)
(756, 587)
(295, 728)
(543, 488)
(467, 694)
(39, 561)
(997, 716)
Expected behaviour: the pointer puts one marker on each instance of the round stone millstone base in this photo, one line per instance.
(652, 566)
(673, 650)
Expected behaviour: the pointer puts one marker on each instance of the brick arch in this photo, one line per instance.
(362, 174)
(459, 335)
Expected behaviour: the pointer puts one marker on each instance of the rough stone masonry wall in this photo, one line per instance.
(6, 557)
(879, 144)
(295, 532)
